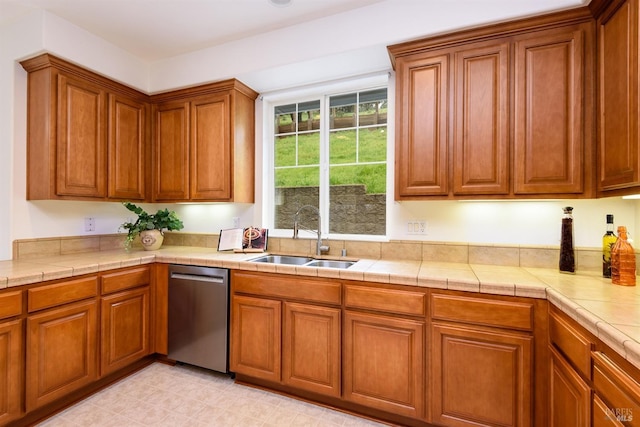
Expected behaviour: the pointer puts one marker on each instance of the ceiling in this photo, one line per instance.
(157, 29)
(153, 30)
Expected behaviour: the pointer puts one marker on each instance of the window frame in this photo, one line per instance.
(322, 93)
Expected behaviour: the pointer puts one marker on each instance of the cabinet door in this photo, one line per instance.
(211, 150)
(61, 352)
(311, 348)
(422, 103)
(480, 377)
(125, 329)
(481, 117)
(171, 152)
(255, 348)
(570, 396)
(11, 366)
(81, 149)
(383, 363)
(618, 91)
(126, 142)
(549, 144)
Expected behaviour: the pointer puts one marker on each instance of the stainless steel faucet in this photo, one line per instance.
(320, 248)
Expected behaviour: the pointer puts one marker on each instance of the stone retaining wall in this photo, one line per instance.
(351, 210)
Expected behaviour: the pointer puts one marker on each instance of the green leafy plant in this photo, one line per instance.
(162, 220)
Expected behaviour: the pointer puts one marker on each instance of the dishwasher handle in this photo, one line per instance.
(198, 278)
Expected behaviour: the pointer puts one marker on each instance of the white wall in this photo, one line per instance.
(265, 70)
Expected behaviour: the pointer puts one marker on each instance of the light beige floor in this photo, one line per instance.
(181, 395)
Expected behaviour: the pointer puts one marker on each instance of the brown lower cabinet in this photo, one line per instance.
(482, 360)
(255, 337)
(569, 393)
(124, 329)
(359, 347)
(61, 352)
(591, 385)
(287, 331)
(403, 354)
(311, 333)
(11, 366)
(11, 356)
(383, 363)
(75, 336)
(480, 376)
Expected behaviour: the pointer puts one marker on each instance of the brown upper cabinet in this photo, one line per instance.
(498, 112)
(86, 135)
(90, 138)
(618, 114)
(203, 144)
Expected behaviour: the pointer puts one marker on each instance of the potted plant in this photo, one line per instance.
(150, 227)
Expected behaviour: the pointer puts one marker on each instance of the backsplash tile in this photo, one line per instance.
(494, 255)
(587, 259)
(445, 252)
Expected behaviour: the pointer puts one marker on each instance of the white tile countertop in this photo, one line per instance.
(610, 312)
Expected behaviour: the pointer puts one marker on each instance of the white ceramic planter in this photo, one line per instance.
(151, 239)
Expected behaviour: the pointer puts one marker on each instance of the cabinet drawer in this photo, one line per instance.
(479, 311)
(395, 301)
(10, 304)
(61, 293)
(290, 287)
(617, 389)
(125, 280)
(603, 416)
(573, 344)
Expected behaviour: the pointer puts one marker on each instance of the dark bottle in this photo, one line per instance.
(608, 240)
(567, 257)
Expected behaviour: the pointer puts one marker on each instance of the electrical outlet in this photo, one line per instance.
(417, 226)
(236, 222)
(89, 224)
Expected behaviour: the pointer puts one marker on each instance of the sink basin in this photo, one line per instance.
(303, 260)
(283, 259)
(330, 263)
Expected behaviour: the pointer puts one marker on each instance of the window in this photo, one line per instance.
(331, 152)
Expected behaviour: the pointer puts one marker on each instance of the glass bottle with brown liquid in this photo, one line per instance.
(623, 260)
(567, 257)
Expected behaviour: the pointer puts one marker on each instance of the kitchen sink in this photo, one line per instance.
(330, 263)
(283, 259)
(303, 261)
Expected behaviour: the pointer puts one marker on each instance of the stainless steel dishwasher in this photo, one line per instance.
(198, 316)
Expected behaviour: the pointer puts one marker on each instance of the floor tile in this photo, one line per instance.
(174, 396)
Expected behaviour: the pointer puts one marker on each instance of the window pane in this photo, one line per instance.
(285, 150)
(373, 108)
(296, 159)
(309, 148)
(343, 115)
(295, 187)
(284, 122)
(359, 208)
(373, 144)
(308, 116)
(357, 163)
(298, 177)
(342, 147)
